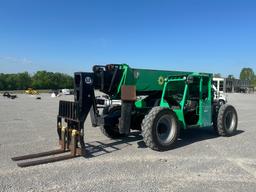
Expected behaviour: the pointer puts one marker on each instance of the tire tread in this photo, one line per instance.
(147, 125)
(221, 129)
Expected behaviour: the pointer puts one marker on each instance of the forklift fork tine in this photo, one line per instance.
(75, 151)
(44, 161)
(37, 155)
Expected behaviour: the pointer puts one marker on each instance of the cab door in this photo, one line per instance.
(205, 107)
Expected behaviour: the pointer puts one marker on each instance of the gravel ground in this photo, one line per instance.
(201, 161)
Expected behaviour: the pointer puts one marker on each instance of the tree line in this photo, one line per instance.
(245, 74)
(39, 80)
(50, 80)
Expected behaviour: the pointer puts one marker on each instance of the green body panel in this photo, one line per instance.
(146, 79)
(165, 81)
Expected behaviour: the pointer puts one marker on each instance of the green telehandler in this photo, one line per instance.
(158, 103)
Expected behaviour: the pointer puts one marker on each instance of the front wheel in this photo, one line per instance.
(111, 130)
(160, 129)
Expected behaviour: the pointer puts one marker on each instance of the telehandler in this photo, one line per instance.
(159, 103)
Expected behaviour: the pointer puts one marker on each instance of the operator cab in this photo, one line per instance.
(189, 95)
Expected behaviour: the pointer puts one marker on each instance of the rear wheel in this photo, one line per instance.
(226, 121)
(160, 129)
(111, 130)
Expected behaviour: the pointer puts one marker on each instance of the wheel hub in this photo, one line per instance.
(230, 120)
(165, 131)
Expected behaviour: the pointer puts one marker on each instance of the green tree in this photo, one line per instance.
(2, 81)
(247, 74)
(231, 77)
(40, 80)
(11, 81)
(217, 75)
(50, 80)
(23, 80)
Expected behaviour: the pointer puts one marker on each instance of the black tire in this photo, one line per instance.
(112, 131)
(160, 129)
(215, 119)
(227, 120)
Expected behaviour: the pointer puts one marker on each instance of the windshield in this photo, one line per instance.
(174, 92)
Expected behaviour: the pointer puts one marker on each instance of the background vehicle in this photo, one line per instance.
(8, 95)
(65, 91)
(31, 91)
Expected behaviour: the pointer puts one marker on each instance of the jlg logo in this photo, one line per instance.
(88, 80)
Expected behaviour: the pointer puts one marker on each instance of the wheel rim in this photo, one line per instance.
(230, 120)
(165, 129)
